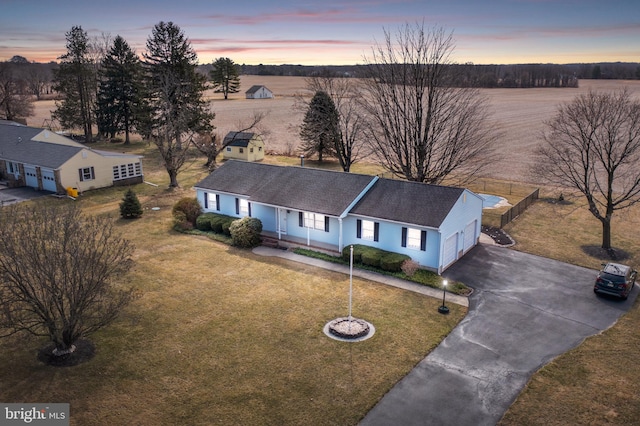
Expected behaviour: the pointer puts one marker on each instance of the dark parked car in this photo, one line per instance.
(615, 279)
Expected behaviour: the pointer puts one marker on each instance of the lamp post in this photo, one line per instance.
(443, 309)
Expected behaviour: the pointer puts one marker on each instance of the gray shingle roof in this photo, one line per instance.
(408, 202)
(255, 88)
(297, 188)
(239, 138)
(16, 145)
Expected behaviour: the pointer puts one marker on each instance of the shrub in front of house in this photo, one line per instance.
(374, 257)
(187, 210)
(245, 232)
(393, 262)
(203, 222)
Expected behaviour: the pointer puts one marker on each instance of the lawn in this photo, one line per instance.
(222, 336)
(598, 382)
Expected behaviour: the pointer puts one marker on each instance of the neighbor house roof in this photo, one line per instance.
(297, 188)
(16, 145)
(255, 88)
(408, 202)
(239, 138)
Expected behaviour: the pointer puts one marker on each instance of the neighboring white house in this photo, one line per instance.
(47, 161)
(434, 225)
(259, 92)
(243, 146)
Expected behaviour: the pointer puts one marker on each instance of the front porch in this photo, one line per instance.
(270, 239)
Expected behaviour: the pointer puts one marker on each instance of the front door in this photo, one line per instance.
(282, 221)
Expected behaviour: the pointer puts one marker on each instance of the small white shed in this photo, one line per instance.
(259, 92)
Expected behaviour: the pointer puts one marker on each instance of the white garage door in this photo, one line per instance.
(31, 178)
(450, 250)
(48, 180)
(470, 235)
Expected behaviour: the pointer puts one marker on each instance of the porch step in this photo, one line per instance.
(270, 242)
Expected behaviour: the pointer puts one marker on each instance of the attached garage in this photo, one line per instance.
(450, 250)
(470, 235)
(48, 180)
(31, 177)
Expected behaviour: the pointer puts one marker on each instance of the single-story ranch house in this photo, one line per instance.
(45, 160)
(245, 146)
(434, 225)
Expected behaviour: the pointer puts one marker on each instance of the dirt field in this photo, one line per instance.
(519, 114)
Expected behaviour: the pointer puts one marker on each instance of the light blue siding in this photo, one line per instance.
(390, 239)
(266, 214)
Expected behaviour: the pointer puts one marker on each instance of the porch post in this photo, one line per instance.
(340, 242)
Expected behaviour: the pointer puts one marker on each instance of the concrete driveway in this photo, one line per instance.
(525, 311)
(16, 195)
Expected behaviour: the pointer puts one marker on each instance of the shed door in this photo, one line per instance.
(470, 235)
(31, 178)
(450, 250)
(48, 180)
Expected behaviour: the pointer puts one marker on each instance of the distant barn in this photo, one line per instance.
(259, 92)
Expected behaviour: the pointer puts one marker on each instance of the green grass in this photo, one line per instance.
(222, 336)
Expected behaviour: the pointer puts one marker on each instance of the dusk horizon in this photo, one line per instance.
(334, 33)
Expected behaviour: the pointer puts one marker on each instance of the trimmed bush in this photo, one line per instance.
(189, 208)
(392, 262)
(203, 222)
(245, 232)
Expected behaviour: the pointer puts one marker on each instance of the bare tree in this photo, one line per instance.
(420, 126)
(211, 145)
(593, 146)
(38, 78)
(15, 99)
(349, 146)
(58, 273)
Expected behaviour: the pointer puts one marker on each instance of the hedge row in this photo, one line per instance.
(385, 260)
(218, 223)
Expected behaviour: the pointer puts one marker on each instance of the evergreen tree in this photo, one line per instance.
(120, 92)
(177, 107)
(130, 207)
(319, 130)
(75, 79)
(225, 76)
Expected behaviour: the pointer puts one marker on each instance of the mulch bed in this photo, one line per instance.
(498, 235)
(600, 253)
(85, 350)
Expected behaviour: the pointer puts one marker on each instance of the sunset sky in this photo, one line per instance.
(336, 32)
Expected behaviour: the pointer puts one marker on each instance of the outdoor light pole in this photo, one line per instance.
(443, 309)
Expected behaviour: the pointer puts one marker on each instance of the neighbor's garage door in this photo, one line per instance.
(450, 250)
(470, 235)
(48, 180)
(31, 178)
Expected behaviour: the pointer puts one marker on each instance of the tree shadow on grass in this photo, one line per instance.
(605, 254)
(85, 350)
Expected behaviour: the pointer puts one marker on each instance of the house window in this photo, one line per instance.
(368, 230)
(86, 174)
(241, 150)
(244, 207)
(212, 201)
(228, 149)
(250, 149)
(12, 167)
(314, 221)
(259, 148)
(414, 239)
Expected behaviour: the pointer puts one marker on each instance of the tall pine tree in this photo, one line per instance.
(120, 95)
(225, 76)
(320, 129)
(178, 110)
(75, 79)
